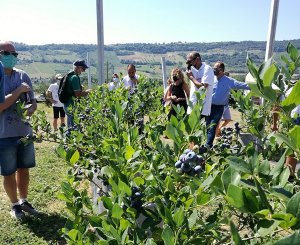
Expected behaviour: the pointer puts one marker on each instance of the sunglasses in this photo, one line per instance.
(9, 53)
(190, 61)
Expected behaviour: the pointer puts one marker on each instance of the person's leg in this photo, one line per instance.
(62, 116)
(69, 114)
(212, 122)
(22, 179)
(26, 160)
(55, 117)
(8, 168)
(10, 187)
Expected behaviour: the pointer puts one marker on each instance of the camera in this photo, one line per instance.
(175, 78)
(189, 66)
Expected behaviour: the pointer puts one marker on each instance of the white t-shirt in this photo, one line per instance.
(53, 88)
(206, 75)
(128, 83)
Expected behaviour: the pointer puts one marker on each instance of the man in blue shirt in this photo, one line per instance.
(221, 91)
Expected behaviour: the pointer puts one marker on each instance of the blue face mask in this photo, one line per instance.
(8, 61)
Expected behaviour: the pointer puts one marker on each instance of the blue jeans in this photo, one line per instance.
(70, 116)
(212, 121)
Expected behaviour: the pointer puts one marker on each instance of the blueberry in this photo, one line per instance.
(185, 167)
(134, 189)
(198, 169)
(200, 159)
(178, 164)
(190, 157)
(182, 157)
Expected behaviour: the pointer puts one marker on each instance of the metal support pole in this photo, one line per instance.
(164, 72)
(272, 29)
(89, 70)
(100, 39)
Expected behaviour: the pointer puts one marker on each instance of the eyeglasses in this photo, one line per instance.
(4, 52)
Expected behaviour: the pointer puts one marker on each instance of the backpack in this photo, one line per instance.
(63, 94)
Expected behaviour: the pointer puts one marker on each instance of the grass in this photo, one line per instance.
(45, 181)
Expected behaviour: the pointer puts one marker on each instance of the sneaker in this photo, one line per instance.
(27, 207)
(16, 212)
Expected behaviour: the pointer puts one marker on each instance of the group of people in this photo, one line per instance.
(130, 81)
(217, 88)
(16, 158)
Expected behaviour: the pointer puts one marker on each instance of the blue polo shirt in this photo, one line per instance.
(2, 92)
(222, 87)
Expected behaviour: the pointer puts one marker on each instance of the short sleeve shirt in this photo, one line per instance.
(53, 88)
(204, 75)
(128, 83)
(11, 123)
(73, 85)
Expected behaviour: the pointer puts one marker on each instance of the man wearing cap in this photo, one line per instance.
(74, 88)
(58, 110)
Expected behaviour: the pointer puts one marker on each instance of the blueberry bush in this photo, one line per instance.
(175, 191)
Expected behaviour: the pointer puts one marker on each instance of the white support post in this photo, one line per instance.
(164, 72)
(89, 71)
(100, 39)
(272, 29)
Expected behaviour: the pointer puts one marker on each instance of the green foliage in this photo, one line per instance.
(117, 145)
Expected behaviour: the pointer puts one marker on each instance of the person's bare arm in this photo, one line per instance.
(197, 83)
(14, 95)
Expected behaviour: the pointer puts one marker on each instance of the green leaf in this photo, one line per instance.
(150, 241)
(168, 235)
(292, 51)
(292, 99)
(230, 176)
(235, 236)
(178, 216)
(138, 181)
(63, 197)
(264, 167)
(267, 227)
(124, 187)
(262, 195)
(217, 184)
(75, 157)
(293, 206)
(73, 234)
(203, 198)
(61, 151)
(293, 239)
(129, 151)
(236, 196)
(250, 201)
(117, 211)
(107, 203)
(192, 220)
(284, 176)
(239, 164)
(269, 75)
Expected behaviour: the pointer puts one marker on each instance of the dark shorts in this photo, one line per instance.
(58, 111)
(14, 154)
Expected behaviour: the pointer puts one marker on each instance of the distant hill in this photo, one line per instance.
(42, 62)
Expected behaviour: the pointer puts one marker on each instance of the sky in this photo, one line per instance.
(145, 21)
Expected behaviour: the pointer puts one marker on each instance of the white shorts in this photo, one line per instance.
(226, 113)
